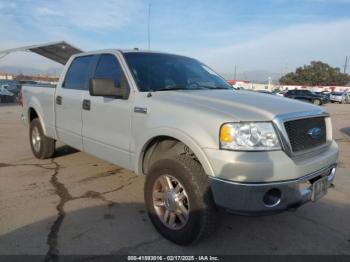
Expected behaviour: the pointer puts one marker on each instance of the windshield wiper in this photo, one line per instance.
(201, 87)
(216, 87)
(171, 88)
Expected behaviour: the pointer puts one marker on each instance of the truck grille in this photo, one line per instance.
(306, 133)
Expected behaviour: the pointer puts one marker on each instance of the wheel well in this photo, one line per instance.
(163, 147)
(32, 114)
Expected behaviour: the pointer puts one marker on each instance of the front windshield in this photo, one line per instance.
(161, 72)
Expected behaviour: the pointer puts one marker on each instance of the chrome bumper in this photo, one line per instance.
(271, 197)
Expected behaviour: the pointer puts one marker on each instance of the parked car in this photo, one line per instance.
(281, 93)
(325, 95)
(5, 95)
(339, 97)
(200, 144)
(307, 96)
(266, 92)
(238, 88)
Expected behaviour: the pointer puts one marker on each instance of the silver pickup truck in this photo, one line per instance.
(200, 144)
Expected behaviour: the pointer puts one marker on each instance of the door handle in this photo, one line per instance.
(59, 100)
(86, 104)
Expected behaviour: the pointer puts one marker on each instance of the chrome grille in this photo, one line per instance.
(301, 135)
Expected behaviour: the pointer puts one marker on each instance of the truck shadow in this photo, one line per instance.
(64, 151)
(346, 131)
(124, 228)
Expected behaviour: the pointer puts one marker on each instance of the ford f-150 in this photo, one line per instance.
(200, 144)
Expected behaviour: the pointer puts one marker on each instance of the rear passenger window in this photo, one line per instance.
(109, 67)
(77, 76)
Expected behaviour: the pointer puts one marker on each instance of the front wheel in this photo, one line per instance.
(179, 201)
(41, 145)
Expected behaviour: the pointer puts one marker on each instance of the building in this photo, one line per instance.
(240, 84)
(6, 76)
(38, 78)
(244, 84)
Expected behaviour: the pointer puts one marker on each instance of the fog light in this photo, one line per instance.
(332, 174)
(272, 197)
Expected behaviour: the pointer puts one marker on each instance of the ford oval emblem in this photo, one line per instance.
(315, 132)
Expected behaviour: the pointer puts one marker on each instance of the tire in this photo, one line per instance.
(317, 102)
(42, 146)
(202, 214)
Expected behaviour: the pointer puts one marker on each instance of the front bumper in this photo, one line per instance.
(253, 198)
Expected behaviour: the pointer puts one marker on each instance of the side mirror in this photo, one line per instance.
(106, 87)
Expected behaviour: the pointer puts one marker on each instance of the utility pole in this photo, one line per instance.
(235, 75)
(346, 64)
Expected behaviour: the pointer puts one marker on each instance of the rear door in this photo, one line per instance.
(107, 120)
(69, 99)
(299, 94)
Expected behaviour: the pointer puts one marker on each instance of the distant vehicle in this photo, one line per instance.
(266, 92)
(340, 97)
(280, 93)
(307, 96)
(238, 88)
(326, 95)
(5, 95)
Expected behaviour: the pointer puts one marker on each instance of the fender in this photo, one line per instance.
(177, 134)
(34, 104)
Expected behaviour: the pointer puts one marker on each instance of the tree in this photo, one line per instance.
(316, 74)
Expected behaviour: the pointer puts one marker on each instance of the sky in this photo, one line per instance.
(267, 35)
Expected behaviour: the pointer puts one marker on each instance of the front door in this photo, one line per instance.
(107, 120)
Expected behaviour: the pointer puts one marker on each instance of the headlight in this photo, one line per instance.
(249, 136)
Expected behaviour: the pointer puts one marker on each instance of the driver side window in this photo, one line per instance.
(109, 67)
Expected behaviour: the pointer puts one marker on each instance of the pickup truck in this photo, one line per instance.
(200, 145)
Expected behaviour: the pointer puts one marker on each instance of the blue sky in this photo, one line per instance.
(270, 35)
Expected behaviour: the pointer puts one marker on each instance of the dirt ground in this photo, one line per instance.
(78, 204)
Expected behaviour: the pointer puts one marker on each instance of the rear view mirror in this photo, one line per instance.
(106, 87)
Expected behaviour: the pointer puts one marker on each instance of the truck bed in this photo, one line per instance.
(41, 97)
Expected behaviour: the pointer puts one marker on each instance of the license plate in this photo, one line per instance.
(319, 188)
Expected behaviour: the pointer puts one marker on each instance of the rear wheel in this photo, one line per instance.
(179, 200)
(41, 145)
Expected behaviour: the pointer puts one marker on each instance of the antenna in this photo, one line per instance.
(346, 64)
(149, 27)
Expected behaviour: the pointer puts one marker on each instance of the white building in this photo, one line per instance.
(6, 76)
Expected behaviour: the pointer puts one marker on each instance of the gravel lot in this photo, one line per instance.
(78, 204)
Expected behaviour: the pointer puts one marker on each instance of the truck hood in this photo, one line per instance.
(238, 105)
